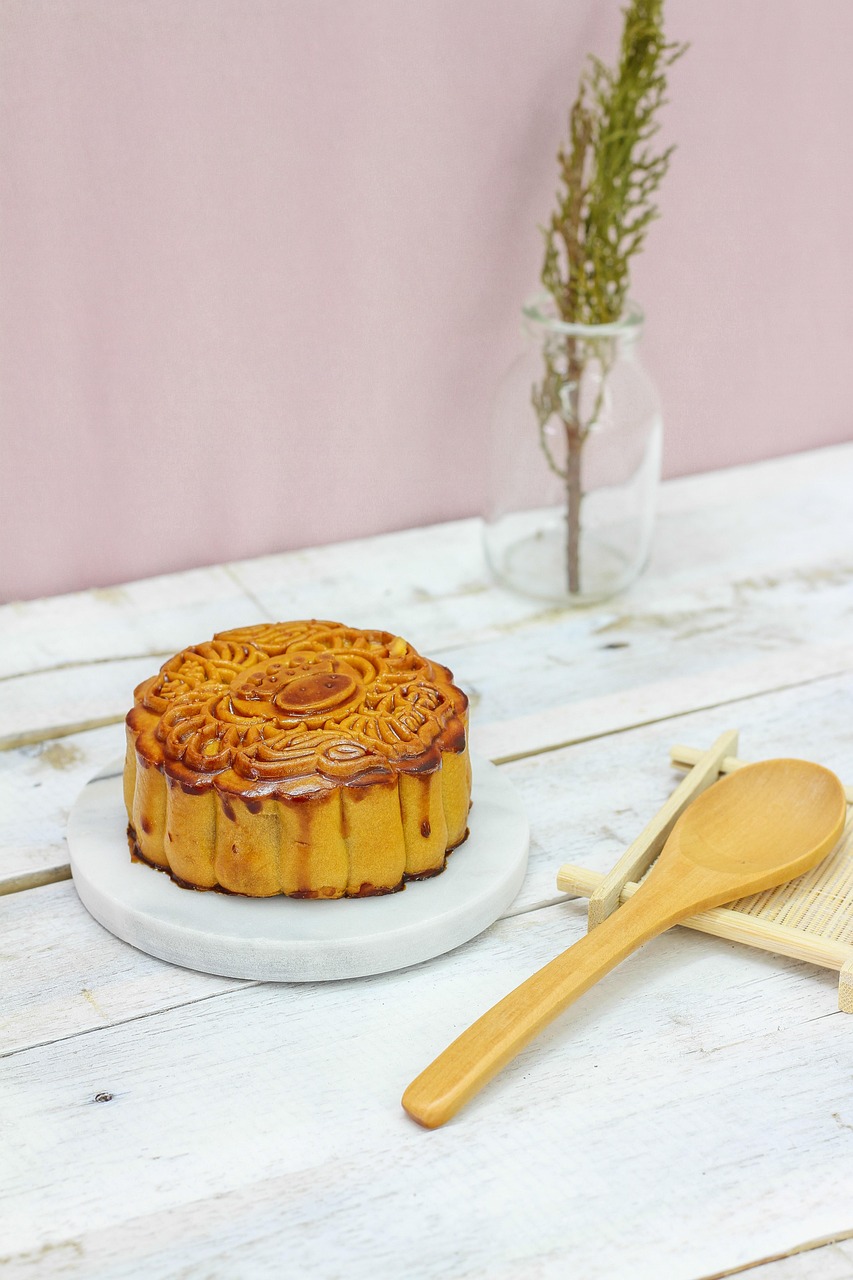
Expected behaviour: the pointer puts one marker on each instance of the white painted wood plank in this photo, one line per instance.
(763, 580)
(745, 568)
(437, 570)
(736, 518)
(712, 640)
(774, 477)
(431, 585)
(827, 1262)
(265, 1125)
(574, 722)
(49, 704)
(586, 803)
(154, 615)
(707, 634)
(724, 540)
(712, 526)
(38, 785)
(561, 656)
(64, 974)
(769, 580)
(527, 671)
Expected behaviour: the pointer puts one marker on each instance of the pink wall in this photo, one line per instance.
(261, 260)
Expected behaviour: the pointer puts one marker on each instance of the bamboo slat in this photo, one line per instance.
(809, 918)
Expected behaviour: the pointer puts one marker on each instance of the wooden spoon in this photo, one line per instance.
(756, 828)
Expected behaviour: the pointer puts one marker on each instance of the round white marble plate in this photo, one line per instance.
(290, 940)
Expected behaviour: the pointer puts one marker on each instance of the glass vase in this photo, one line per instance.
(574, 461)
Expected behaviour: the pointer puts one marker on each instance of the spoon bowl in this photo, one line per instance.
(756, 828)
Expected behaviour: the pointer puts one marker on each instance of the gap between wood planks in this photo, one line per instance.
(244, 984)
(821, 1243)
(247, 984)
(573, 723)
(84, 662)
(33, 737)
(35, 879)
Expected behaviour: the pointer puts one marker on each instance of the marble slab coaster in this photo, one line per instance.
(299, 940)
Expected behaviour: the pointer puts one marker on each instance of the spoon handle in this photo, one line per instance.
(493, 1040)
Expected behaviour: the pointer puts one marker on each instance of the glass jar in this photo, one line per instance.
(574, 461)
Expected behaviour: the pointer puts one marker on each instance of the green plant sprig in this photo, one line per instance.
(609, 172)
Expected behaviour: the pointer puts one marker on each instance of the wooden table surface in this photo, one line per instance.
(691, 1117)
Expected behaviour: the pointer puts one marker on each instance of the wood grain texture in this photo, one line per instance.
(758, 828)
(53, 704)
(64, 974)
(138, 619)
(262, 1123)
(38, 785)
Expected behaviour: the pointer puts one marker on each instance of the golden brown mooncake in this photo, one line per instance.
(300, 758)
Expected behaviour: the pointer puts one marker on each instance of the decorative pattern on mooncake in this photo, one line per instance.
(301, 758)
